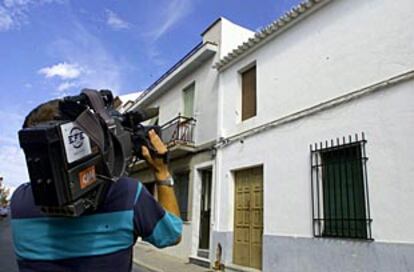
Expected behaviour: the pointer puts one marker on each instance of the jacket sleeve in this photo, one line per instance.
(154, 224)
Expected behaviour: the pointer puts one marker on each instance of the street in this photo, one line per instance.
(7, 257)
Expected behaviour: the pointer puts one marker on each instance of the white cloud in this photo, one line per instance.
(14, 13)
(85, 53)
(62, 70)
(166, 19)
(7, 140)
(13, 165)
(14, 3)
(162, 20)
(6, 21)
(66, 86)
(114, 21)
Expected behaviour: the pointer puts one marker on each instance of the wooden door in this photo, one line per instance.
(248, 218)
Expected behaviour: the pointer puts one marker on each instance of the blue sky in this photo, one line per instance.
(53, 48)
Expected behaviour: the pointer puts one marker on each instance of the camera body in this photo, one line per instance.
(71, 163)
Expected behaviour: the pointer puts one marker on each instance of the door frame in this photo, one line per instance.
(233, 175)
(197, 186)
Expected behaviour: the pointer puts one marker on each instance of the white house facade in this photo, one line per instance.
(314, 163)
(186, 98)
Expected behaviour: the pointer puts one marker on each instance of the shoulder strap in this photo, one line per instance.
(97, 103)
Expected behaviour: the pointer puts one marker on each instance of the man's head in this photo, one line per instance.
(44, 112)
(63, 175)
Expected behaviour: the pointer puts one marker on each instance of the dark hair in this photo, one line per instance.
(44, 112)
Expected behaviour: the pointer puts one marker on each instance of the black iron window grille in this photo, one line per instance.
(340, 200)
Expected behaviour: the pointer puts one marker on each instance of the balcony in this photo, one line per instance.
(178, 135)
(179, 132)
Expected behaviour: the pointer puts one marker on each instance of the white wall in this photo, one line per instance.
(386, 117)
(232, 35)
(171, 103)
(213, 34)
(345, 46)
(342, 47)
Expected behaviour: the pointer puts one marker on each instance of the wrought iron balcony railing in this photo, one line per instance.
(179, 130)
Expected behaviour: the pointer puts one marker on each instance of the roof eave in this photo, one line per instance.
(205, 52)
(268, 33)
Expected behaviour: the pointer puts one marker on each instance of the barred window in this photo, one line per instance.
(340, 190)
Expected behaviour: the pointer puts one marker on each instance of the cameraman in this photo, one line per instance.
(101, 240)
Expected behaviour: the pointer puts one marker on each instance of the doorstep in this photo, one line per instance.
(239, 268)
(200, 261)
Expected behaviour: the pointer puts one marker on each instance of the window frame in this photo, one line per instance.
(185, 90)
(333, 220)
(244, 96)
(184, 214)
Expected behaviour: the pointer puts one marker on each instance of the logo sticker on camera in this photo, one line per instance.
(87, 177)
(76, 137)
(77, 143)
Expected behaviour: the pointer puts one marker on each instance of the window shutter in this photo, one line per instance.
(188, 94)
(181, 192)
(343, 193)
(249, 93)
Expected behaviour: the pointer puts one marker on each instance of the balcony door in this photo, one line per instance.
(188, 97)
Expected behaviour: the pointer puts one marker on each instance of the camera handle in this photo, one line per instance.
(140, 138)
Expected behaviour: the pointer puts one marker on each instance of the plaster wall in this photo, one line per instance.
(386, 117)
(232, 35)
(193, 163)
(213, 34)
(287, 254)
(344, 46)
(171, 103)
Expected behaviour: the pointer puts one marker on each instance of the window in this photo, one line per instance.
(248, 93)
(340, 189)
(188, 96)
(181, 192)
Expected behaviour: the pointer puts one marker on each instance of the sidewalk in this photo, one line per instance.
(155, 261)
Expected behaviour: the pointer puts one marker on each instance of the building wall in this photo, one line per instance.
(287, 254)
(338, 50)
(192, 163)
(386, 117)
(232, 35)
(342, 47)
(171, 103)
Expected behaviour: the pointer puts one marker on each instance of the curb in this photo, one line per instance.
(146, 266)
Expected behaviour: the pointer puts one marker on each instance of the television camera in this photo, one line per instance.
(73, 160)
